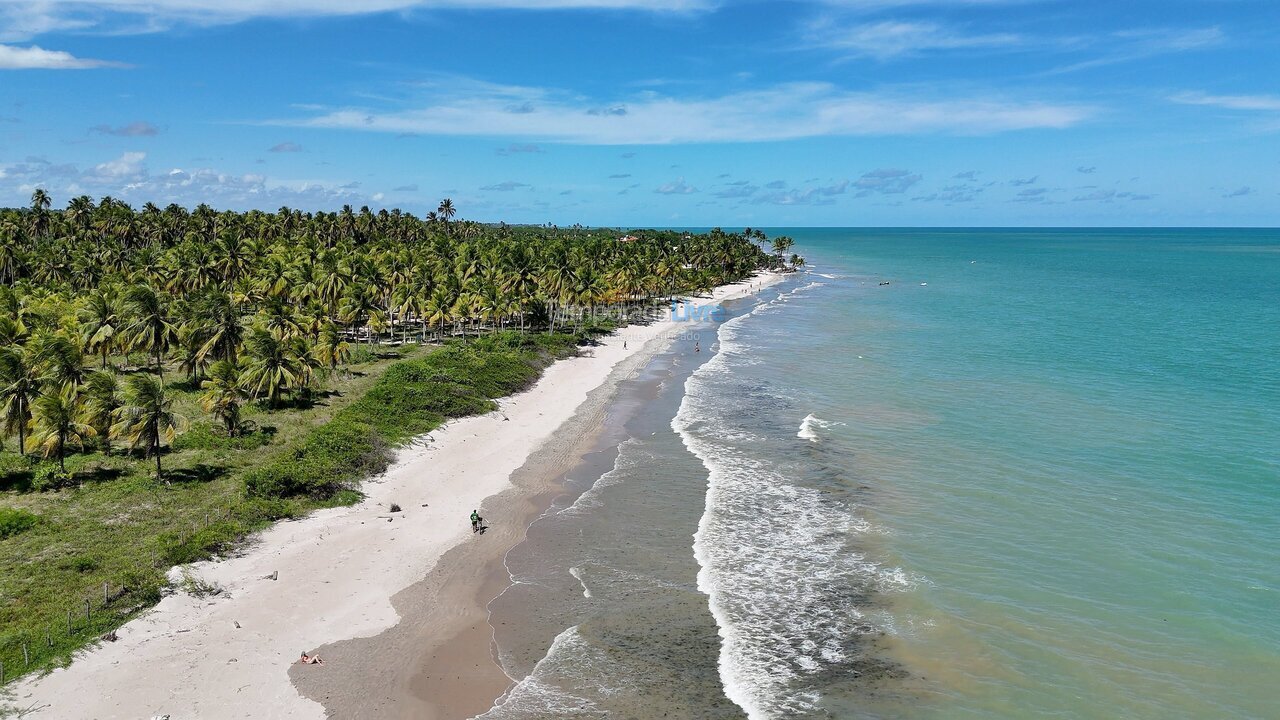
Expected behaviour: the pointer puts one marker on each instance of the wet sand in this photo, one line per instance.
(438, 663)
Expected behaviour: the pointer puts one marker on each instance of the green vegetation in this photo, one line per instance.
(14, 521)
(171, 380)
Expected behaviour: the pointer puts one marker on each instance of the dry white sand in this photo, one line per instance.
(228, 656)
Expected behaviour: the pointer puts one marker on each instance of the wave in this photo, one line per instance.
(629, 456)
(577, 575)
(783, 584)
(542, 693)
(811, 424)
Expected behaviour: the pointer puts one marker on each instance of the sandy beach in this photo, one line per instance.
(378, 594)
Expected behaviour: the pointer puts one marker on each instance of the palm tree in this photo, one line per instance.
(438, 309)
(99, 325)
(224, 394)
(222, 332)
(101, 400)
(446, 211)
(59, 358)
(150, 328)
(40, 203)
(56, 423)
(147, 420)
(781, 245)
(275, 366)
(332, 350)
(190, 359)
(358, 307)
(12, 331)
(19, 386)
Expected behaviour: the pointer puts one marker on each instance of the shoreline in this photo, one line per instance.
(343, 573)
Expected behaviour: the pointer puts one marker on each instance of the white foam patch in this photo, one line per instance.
(577, 574)
(774, 557)
(542, 694)
(630, 456)
(810, 426)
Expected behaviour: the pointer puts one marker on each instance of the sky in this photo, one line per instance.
(679, 113)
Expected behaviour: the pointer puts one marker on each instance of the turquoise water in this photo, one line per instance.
(1037, 474)
(1068, 447)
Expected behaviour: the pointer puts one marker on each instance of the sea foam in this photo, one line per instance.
(774, 559)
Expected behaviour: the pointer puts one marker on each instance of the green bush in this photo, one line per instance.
(261, 509)
(412, 397)
(334, 454)
(144, 585)
(80, 563)
(16, 520)
(179, 549)
(49, 477)
(361, 354)
(205, 436)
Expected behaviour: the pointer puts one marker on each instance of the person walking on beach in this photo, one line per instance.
(475, 521)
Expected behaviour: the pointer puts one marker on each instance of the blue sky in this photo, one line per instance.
(666, 112)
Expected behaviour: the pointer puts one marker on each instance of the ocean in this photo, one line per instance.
(936, 474)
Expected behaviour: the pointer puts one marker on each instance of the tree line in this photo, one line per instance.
(98, 301)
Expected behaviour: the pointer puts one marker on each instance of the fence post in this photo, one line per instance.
(1, 673)
(87, 617)
(68, 622)
(26, 657)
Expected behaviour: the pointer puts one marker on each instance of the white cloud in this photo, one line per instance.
(884, 4)
(23, 19)
(1265, 103)
(820, 195)
(678, 187)
(128, 178)
(127, 166)
(34, 57)
(885, 181)
(952, 194)
(506, 186)
(134, 129)
(1129, 45)
(781, 112)
(893, 38)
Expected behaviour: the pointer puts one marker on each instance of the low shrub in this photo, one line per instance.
(49, 476)
(180, 549)
(143, 585)
(80, 563)
(334, 454)
(260, 509)
(361, 354)
(205, 436)
(16, 520)
(412, 397)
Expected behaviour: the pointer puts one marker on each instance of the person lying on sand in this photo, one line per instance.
(310, 659)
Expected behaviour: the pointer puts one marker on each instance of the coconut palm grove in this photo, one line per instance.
(172, 379)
